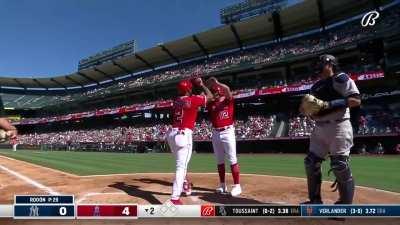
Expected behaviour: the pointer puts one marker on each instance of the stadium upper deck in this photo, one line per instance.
(205, 44)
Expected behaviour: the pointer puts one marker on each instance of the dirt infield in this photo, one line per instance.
(18, 177)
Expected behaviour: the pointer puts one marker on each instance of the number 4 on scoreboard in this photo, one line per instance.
(125, 211)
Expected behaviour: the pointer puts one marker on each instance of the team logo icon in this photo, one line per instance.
(369, 19)
(222, 211)
(96, 211)
(207, 210)
(34, 211)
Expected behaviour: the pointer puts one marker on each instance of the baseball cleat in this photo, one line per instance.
(187, 188)
(236, 190)
(222, 188)
(176, 201)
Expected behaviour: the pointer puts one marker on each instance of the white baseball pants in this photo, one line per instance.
(224, 143)
(180, 142)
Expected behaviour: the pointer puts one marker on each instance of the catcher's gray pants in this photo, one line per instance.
(333, 137)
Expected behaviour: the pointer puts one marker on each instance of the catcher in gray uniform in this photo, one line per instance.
(328, 104)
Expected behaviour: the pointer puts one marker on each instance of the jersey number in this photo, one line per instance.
(223, 115)
(178, 115)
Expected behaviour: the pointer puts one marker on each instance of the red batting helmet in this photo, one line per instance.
(184, 86)
(216, 89)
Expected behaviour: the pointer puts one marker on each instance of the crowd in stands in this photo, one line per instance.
(312, 43)
(116, 135)
(255, 127)
(300, 126)
(379, 123)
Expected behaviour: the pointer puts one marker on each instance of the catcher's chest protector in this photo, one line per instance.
(324, 90)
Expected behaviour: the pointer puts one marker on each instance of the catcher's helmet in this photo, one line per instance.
(216, 89)
(324, 60)
(184, 86)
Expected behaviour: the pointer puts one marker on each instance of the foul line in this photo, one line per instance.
(30, 181)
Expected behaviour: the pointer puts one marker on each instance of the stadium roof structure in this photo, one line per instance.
(307, 15)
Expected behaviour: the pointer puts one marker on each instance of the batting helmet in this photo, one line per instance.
(216, 89)
(184, 86)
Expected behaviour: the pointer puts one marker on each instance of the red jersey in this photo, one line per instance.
(185, 111)
(221, 112)
(13, 141)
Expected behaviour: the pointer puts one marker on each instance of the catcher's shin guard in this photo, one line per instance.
(345, 182)
(314, 177)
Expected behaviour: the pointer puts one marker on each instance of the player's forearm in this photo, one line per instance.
(227, 90)
(354, 101)
(6, 125)
(351, 101)
(337, 104)
(207, 92)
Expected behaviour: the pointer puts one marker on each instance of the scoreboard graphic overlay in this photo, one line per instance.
(64, 207)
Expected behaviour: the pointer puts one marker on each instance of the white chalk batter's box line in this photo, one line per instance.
(30, 181)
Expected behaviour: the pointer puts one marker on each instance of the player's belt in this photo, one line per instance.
(219, 129)
(330, 121)
(179, 130)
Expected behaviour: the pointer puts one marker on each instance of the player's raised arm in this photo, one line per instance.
(225, 89)
(5, 124)
(199, 82)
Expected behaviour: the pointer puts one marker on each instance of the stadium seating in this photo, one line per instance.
(310, 44)
(255, 127)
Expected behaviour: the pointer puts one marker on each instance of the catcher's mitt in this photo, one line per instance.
(310, 105)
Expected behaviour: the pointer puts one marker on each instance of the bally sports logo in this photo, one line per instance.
(207, 210)
(369, 19)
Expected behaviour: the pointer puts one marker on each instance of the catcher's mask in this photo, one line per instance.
(325, 60)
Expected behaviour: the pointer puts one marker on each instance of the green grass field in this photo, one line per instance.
(371, 171)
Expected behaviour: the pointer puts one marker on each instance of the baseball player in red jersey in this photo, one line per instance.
(179, 137)
(14, 143)
(221, 112)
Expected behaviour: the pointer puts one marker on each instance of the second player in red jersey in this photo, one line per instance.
(221, 112)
